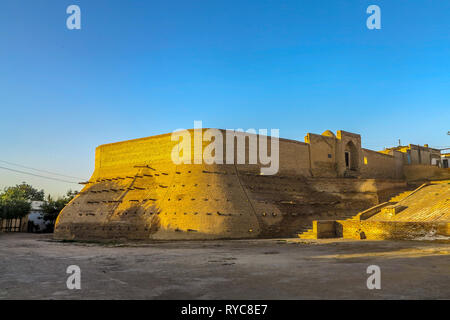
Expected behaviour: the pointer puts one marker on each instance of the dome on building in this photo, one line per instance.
(329, 133)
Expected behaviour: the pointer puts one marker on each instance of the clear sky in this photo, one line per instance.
(140, 68)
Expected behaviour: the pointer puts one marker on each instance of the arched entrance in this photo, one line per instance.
(351, 156)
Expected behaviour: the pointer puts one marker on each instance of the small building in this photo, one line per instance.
(415, 154)
(445, 160)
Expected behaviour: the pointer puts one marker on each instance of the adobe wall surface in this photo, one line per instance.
(421, 172)
(204, 202)
(379, 165)
(322, 152)
(293, 155)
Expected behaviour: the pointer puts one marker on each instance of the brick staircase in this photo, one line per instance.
(309, 233)
(430, 202)
(400, 196)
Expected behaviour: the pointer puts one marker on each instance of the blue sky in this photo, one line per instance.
(140, 68)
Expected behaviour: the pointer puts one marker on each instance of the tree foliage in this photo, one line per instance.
(52, 207)
(15, 202)
(24, 191)
(11, 208)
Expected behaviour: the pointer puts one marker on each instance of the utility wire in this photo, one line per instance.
(37, 175)
(53, 173)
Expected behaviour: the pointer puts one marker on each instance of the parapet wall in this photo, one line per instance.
(293, 155)
(320, 156)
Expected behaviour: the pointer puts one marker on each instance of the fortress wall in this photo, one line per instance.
(387, 188)
(137, 192)
(206, 202)
(155, 149)
(379, 165)
(322, 155)
(173, 202)
(294, 158)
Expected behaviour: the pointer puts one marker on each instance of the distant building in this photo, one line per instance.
(33, 222)
(415, 154)
(445, 160)
(36, 221)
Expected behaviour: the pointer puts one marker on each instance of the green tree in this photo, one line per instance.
(12, 208)
(15, 203)
(52, 208)
(24, 191)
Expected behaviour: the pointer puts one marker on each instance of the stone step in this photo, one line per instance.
(400, 196)
(308, 236)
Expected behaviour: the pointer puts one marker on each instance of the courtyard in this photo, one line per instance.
(33, 266)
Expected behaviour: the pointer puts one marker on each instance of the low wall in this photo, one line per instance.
(324, 229)
(419, 172)
(389, 230)
(366, 214)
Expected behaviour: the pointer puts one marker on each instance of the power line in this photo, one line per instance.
(37, 175)
(53, 173)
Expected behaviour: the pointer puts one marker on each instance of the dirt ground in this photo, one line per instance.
(34, 267)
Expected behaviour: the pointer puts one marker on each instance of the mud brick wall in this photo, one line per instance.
(137, 193)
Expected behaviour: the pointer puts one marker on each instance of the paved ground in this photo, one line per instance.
(34, 267)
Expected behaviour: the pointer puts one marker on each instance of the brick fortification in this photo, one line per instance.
(137, 192)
